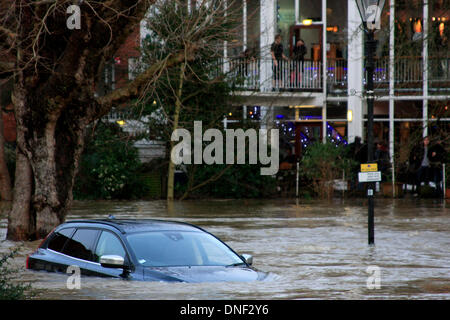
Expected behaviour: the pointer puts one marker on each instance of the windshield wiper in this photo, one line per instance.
(237, 264)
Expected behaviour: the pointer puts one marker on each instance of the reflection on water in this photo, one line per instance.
(313, 250)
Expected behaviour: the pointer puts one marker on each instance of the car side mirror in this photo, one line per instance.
(112, 261)
(248, 258)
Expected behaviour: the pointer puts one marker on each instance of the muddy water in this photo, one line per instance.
(312, 250)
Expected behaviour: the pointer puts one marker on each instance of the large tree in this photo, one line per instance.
(55, 71)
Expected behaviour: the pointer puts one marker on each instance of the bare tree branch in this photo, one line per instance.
(133, 89)
(10, 34)
(6, 66)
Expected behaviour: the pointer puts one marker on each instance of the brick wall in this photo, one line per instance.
(128, 50)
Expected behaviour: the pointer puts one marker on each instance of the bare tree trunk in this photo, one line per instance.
(49, 147)
(50, 130)
(5, 180)
(190, 183)
(171, 171)
(19, 219)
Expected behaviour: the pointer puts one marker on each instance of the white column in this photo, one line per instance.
(324, 70)
(297, 11)
(391, 77)
(263, 117)
(391, 88)
(355, 71)
(244, 24)
(268, 25)
(267, 35)
(425, 67)
(226, 66)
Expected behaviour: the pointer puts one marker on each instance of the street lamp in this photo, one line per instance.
(370, 11)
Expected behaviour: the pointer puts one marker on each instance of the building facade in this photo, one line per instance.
(323, 96)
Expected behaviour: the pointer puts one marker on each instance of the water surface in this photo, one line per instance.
(312, 250)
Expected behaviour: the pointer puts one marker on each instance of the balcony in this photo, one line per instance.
(260, 75)
(408, 75)
(295, 76)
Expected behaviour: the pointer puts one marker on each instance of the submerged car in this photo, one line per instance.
(152, 250)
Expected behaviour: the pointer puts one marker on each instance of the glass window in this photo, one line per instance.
(253, 25)
(108, 244)
(81, 244)
(181, 249)
(310, 9)
(285, 18)
(59, 239)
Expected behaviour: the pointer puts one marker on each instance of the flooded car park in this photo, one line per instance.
(311, 250)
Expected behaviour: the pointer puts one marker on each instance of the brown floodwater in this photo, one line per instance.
(312, 250)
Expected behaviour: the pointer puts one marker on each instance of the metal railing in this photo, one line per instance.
(439, 69)
(337, 73)
(285, 75)
(407, 71)
(245, 73)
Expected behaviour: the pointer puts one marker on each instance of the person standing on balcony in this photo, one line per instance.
(298, 57)
(276, 50)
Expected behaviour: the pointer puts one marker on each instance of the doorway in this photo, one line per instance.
(312, 36)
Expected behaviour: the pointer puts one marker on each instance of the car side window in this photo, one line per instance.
(81, 244)
(59, 239)
(108, 244)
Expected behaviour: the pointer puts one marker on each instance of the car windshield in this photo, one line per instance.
(186, 248)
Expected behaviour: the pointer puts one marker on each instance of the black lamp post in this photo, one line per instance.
(370, 11)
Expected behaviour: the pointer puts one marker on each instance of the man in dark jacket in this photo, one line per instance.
(298, 58)
(299, 51)
(276, 51)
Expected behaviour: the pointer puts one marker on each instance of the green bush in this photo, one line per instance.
(8, 289)
(323, 163)
(109, 167)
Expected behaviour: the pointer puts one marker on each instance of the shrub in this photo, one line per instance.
(8, 289)
(109, 166)
(323, 163)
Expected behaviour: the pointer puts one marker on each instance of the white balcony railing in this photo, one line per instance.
(408, 71)
(287, 75)
(251, 74)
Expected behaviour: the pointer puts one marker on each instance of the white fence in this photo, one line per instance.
(307, 75)
(286, 75)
